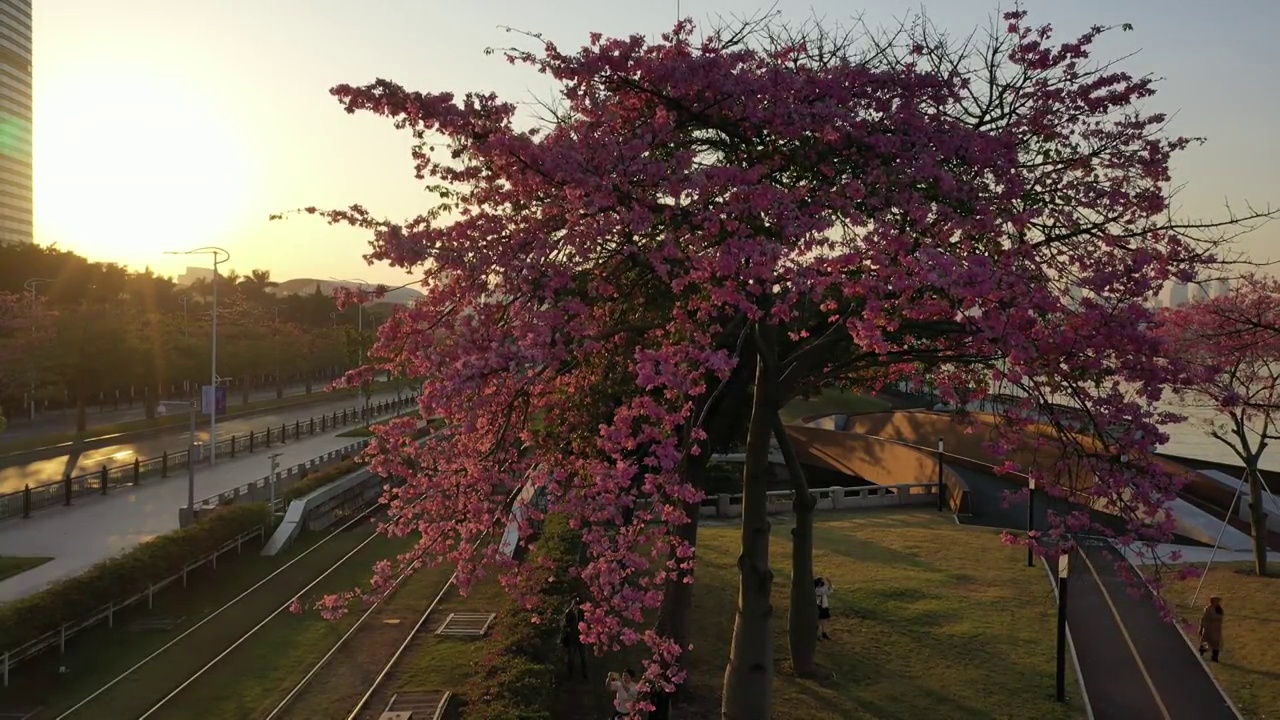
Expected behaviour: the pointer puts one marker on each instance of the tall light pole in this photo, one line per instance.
(364, 398)
(31, 286)
(183, 300)
(219, 256)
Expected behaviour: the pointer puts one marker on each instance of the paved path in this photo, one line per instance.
(1133, 664)
(99, 527)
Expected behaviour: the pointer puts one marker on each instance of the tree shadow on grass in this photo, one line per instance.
(834, 541)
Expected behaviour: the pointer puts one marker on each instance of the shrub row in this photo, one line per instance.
(24, 620)
(516, 678)
(318, 479)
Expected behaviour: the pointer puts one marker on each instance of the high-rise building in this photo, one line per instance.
(1221, 287)
(17, 219)
(1178, 294)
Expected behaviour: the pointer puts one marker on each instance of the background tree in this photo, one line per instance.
(1234, 342)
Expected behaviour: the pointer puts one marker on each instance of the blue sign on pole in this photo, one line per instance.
(213, 397)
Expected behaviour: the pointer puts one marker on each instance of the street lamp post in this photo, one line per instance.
(31, 286)
(183, 300)
(364, 397)
(219, 256)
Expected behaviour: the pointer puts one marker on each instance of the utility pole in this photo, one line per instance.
(219, 256)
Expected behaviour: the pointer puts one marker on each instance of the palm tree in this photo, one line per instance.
(256, 287)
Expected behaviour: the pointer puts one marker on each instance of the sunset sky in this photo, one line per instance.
(165, 125)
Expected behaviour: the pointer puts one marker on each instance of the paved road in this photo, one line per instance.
(51, 470)
(1134, 665)
(64, 421)
(99, 527)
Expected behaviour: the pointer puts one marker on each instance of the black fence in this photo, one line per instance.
(100, 482)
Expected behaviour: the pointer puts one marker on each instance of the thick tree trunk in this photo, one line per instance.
(244, 393)
(279, 387)
(748, 677)
(1258, 521)
(149, 402)
(802, 618)
(82, 413)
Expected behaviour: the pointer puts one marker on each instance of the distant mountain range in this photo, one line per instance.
(306, 286)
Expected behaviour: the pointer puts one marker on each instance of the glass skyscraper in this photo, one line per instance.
(16, 206)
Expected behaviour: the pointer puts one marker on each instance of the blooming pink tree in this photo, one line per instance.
(703, 222)
(1234, 342)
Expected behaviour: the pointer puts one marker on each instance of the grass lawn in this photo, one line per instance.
(1250, 667)
(101, 654)
(172, 420)
(930, 620)
(10, 566)
(833, 401)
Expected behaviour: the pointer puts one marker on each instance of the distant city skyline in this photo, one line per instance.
(135, 157)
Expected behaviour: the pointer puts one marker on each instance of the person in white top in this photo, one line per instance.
(822, 590)
(624, 690)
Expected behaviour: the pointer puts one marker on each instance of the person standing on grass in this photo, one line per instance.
(1211, 628)
(822, 590)
(571, 637)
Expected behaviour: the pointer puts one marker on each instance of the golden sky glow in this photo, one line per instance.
(165, 125)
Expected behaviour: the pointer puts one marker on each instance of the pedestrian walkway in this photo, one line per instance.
(97, 528)
(1134, 664)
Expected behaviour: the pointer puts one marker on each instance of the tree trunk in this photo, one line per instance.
(244, 393)
(748, 677)
(279, 387)
(1258, 521)
(149, 402)
(676, 612)
(82, 412)
(802, 618)
(307, 384)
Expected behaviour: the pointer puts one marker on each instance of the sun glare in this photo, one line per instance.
(128, 167)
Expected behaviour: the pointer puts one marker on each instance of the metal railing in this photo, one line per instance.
(10, 658)
(285, 479)
(21, 503)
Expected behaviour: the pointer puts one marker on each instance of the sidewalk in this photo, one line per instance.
(97, 528)
(1134, 664)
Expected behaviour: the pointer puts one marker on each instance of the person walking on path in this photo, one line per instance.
(1211, 628)
(571, 637)
(822, 590)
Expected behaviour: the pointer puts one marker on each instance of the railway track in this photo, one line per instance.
(350, 664)
(112, 698)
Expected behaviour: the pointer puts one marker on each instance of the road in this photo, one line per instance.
(64, 421)
(53, 469)
(100, 527)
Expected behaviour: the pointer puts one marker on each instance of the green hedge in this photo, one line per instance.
(320, 478)
(516, 678)
(24, 620)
